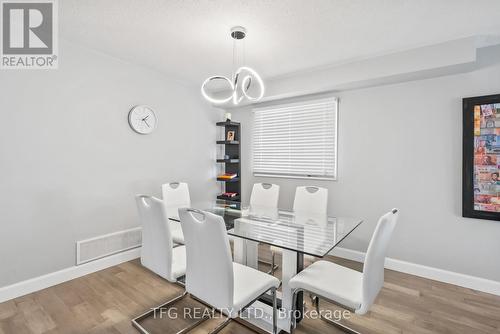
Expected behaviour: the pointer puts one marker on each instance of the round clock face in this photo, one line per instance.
(142, 119)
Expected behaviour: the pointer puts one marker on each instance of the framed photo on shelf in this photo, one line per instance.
(230, 136)
(481, 157)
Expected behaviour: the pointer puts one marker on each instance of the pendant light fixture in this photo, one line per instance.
(242, 79)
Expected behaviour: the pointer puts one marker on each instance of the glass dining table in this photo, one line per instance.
(295, 233)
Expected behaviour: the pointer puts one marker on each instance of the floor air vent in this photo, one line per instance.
(106, 245)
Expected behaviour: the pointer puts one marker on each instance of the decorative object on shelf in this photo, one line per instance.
(481, 157)
(227, 116)
(241, 80)
(227, 176)
(230, 136)
(142, 119)
(229, 194)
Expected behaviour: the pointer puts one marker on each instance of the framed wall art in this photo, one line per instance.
(481, 157)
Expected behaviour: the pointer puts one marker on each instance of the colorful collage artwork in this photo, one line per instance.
(487, 157)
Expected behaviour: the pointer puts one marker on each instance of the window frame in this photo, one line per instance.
(336, 135)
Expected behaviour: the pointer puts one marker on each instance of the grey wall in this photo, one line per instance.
(400, 146)
(70, 165)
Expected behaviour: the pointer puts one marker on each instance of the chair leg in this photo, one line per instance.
(135, 321)
(314, 301)
(275, 312)
(337, 324)
(273, 264)
(220, 326)
(313, 298)
(136, 325)
(192, 326)
(293, 324)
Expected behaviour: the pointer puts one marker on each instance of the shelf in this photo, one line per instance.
(227, 204)
(230, 123)
(236, 179)
(229, 161)
(228, 142)
(231, 199)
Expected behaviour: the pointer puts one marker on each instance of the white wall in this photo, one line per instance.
(70, 165)
(401, 146)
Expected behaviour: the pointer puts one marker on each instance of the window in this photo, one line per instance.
(296, 140)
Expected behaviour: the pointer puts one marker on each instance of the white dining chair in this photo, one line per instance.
(308, 200)
(348, 288)
(265, 195)
(176, 196)
(311, 199)
(264, 201)
(158, 253)
(211, 275)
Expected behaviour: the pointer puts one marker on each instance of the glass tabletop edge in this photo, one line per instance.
(343, 238)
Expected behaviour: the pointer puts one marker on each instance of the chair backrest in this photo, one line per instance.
(156, 252)
(311, 199)
(373, 270)
(176, 196)
(265, 195)
(209, 273)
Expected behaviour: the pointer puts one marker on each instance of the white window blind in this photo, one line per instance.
(296, 139)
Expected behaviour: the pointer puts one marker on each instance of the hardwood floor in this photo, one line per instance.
(105, 302)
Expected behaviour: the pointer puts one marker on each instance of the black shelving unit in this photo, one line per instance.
(233, 164)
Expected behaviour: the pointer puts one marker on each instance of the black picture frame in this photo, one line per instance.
(468, 209)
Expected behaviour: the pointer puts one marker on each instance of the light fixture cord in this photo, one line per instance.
(234, 56)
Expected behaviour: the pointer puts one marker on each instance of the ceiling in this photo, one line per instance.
(189, 39)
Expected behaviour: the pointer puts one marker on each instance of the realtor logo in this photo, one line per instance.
(29, 34)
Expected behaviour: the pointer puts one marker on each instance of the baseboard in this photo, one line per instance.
(42, 282)
(61, 276)
(466, 281)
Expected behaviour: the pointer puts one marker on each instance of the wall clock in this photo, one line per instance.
(142, 119)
